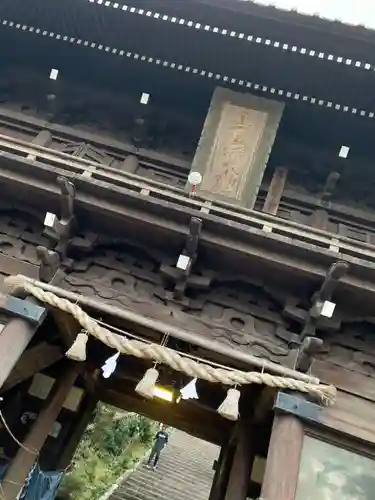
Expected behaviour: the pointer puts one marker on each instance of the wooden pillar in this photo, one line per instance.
(17, 333)
(240, 471)
(26, 456)
(320, 219)
(284, 453)
(44, 138)
(221, 473)
(84, 417)
(130, 164)
(275, 191)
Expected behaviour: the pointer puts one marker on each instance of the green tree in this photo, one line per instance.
(112, 444)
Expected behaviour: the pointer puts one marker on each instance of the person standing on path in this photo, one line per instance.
(161, 440)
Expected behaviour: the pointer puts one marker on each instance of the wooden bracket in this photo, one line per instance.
(189, 254)
(62, 232)
(330, 186)
(320, 216)
(313, 317)
(336, 272)
(309, 344)
(308, 350)
(49, 263)
(181, 274)
(188, 257)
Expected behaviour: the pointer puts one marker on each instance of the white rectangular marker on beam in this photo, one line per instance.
(54, 74)
(50, 219)
(183, 262)
(145, 98)
(344, 151)
(328, 308)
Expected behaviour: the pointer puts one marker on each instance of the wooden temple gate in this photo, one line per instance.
(138, 216)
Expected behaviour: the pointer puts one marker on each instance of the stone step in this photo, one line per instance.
(162, 487)
(172, 492)
(170, 464)
(184, 472)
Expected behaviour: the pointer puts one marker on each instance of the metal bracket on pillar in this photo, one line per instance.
(299, 407)
(22, 309)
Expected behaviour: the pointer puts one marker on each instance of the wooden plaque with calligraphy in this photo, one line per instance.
(235, 144)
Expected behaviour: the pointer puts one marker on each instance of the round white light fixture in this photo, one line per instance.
(194, 178)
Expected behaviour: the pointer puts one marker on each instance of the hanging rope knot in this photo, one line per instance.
(161, 354)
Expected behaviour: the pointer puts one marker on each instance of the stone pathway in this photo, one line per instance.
(184, 473)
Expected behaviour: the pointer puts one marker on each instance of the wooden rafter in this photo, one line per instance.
(33, 360)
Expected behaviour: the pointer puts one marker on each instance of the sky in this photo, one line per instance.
(347, 11)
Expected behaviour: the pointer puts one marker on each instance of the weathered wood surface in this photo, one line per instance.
(342, 227)
(351, 415)
(284, 452)
(230, 248)
(352, 380)
(238, 311)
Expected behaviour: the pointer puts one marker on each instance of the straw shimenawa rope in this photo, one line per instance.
(160, 354)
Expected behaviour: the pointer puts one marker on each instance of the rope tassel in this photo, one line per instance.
(229, 407)
(146, 385)
(77, 352)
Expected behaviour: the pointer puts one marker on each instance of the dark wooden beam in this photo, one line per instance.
(32, 361)
(203, 424)
(357, 384)
(238, 238)
(240, 472)
(10, 265)
(22, 463)
(264, 404)
(137, 322)
(68, 326)
(222, 469)
(74, 135)
(83, 418)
